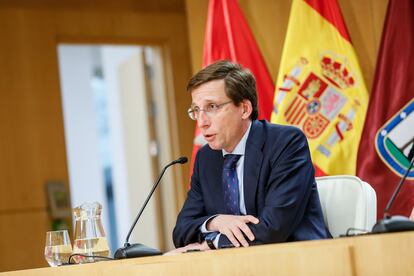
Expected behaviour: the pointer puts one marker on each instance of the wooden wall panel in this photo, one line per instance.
(32, 142)
(23, 237)
(196, 23)
(364, 20)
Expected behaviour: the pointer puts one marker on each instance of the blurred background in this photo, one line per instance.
(93, 105)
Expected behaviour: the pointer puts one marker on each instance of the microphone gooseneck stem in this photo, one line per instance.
(146, 202)
(391, 201)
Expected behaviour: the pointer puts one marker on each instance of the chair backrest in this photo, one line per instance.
(347, 202)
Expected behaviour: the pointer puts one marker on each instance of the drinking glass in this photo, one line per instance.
(58, 247)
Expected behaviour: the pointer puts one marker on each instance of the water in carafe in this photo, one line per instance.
(90, 236)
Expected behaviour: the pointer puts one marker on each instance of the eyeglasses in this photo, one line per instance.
(210, 110)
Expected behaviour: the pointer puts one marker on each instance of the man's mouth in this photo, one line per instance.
(209, 137)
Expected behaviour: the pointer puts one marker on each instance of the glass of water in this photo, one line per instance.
(58, 247)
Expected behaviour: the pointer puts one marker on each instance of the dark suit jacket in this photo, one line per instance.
(279, 189)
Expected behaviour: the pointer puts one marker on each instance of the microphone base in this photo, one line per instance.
(135, 251)
(393, 224)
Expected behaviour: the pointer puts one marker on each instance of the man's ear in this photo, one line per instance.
(247, 109)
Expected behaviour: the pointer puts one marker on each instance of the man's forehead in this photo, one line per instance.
(211, 91)
(211, 85)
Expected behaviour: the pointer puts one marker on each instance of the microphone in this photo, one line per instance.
(181, 160)
(140, 250)
(396, 223)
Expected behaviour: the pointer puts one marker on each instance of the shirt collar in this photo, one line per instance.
(241, 146)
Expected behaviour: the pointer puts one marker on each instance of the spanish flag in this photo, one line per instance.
(320, 87)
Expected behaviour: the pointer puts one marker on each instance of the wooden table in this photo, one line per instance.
(386, 254)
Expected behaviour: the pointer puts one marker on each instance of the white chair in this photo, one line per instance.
(347, 202)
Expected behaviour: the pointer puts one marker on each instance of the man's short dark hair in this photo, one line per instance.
(240, 83)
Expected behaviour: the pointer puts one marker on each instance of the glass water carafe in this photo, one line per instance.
(90, 236)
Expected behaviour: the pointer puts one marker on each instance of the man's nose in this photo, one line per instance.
(203, 120)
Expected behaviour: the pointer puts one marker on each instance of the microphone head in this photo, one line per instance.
(182, 160)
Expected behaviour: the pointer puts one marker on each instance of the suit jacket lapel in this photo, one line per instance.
(252, 164)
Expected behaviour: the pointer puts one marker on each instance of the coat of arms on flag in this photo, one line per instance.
(319, 99)
(395, 139)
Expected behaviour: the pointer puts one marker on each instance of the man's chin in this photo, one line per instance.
(214, 146)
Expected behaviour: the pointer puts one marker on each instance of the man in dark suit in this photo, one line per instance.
(254, 181)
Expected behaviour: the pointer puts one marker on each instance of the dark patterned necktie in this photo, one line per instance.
(231, 184)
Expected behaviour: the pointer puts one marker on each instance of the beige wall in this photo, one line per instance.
(32, 146)
(268, 20)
